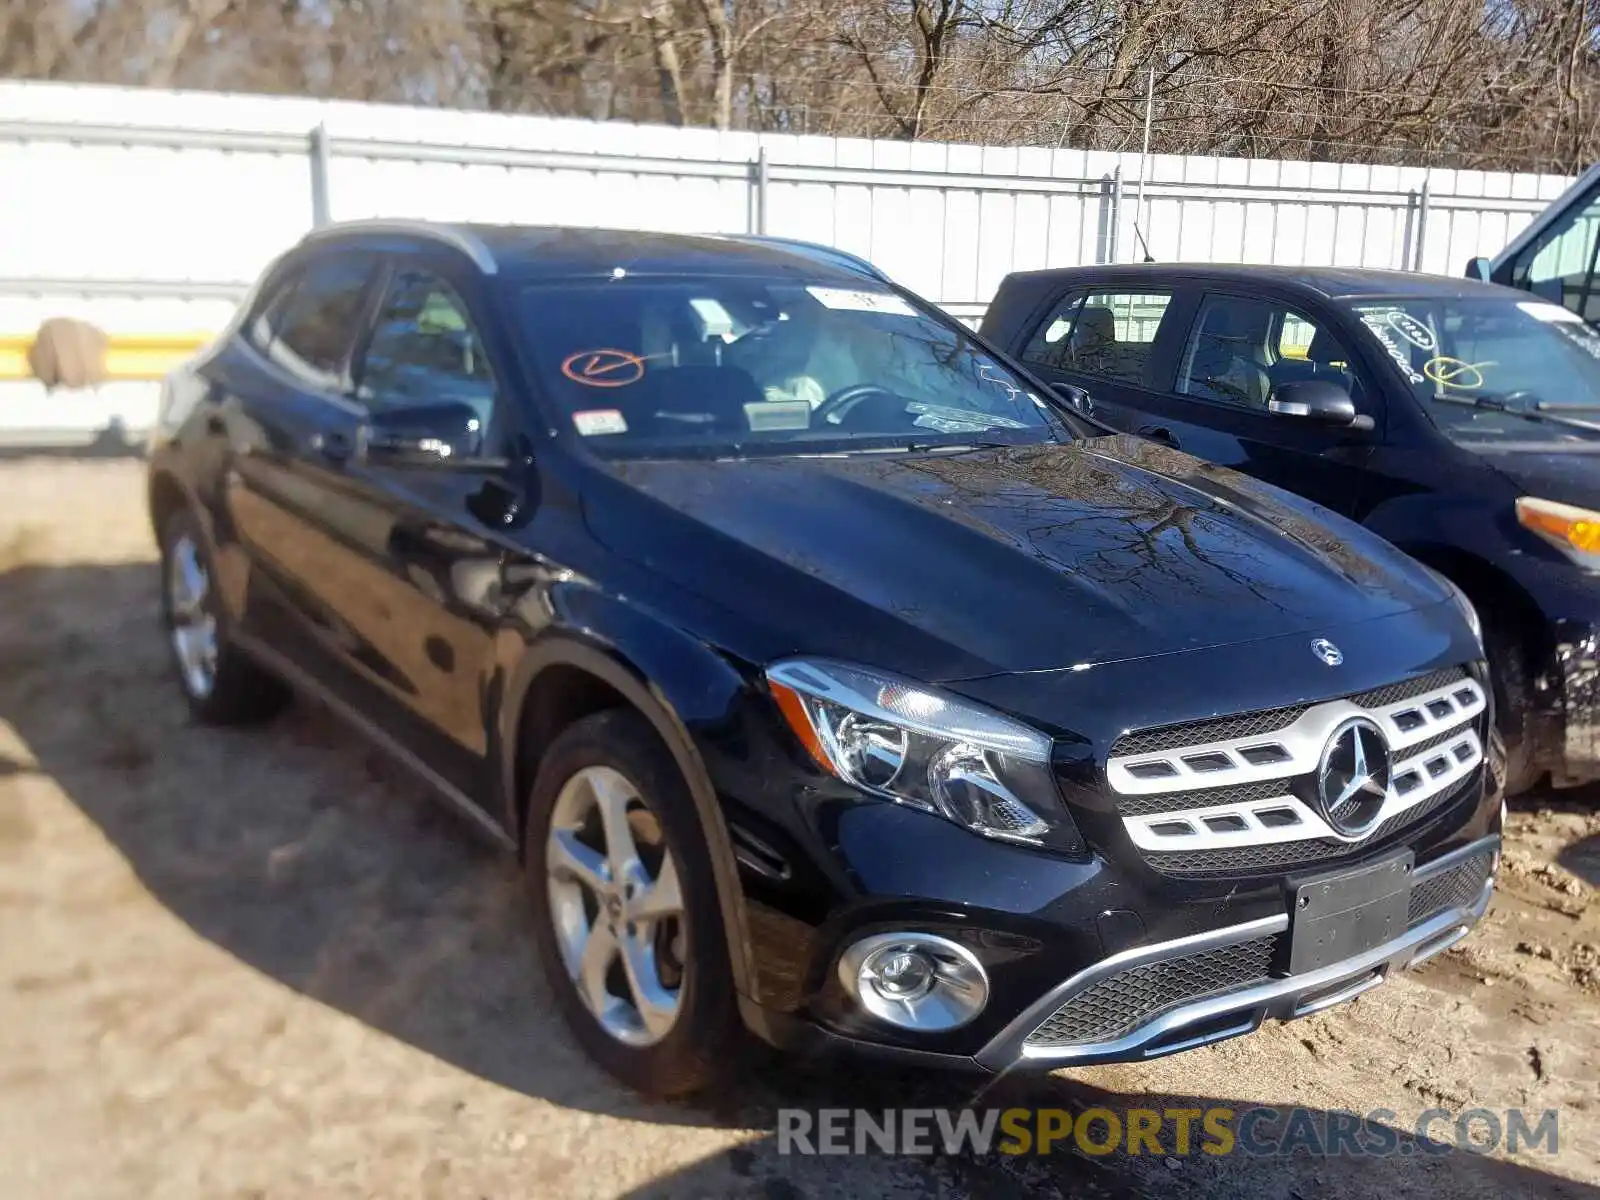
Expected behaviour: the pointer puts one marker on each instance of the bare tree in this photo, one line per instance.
(1507, 84)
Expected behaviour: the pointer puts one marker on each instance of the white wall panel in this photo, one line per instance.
(104, 184)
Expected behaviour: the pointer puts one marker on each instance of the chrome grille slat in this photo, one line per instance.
(1259, 858)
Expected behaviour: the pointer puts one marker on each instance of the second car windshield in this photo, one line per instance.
(734, 364)
(1493, 369)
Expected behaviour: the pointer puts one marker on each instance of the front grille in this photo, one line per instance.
(1171, 737)
(1120, 1003)
(1456, 887)
(1265, 859)
(1396, 692)
(1195, 733)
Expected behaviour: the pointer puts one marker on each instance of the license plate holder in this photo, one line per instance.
(1346, 913)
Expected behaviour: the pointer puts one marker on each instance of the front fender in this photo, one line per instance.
(675, 681)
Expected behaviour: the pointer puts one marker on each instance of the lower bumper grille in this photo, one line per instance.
(1456, 887)
(1117, 1005)
(1121, 1003)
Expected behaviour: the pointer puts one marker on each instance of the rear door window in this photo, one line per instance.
(1105, 334)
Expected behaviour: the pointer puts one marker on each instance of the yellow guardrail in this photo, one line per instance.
(129, 356)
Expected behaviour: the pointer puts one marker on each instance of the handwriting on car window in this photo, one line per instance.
(1378, 324)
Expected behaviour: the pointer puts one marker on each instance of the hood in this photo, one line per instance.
(1550, 472)
(1018, 559)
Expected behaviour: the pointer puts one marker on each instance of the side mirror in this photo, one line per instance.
(445, 434)
(1481, 269)
(1318, 400)
(1080, 400)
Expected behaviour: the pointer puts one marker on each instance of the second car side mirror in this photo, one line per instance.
(1080, 400)
(1318, 400)
(444, 434)
(1480, 268)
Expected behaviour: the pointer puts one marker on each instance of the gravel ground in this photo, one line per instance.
(265, 963)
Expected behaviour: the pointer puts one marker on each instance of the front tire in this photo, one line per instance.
(626, 916)
(222, 686)
(1515, 720)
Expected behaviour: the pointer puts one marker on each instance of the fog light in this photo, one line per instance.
(915, 980)
(898, 973)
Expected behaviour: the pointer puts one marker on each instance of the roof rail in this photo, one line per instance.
(468, 243)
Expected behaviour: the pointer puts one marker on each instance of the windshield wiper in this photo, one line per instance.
(1526, 405)
(922, 445)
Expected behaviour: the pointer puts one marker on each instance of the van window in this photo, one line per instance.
(1561, 267)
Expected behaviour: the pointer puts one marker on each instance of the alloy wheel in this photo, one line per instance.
(617, 906)
(194, 627)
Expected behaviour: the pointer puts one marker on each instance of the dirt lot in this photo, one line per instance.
(264, 964)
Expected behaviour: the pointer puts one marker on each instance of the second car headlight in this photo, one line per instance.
(1575, 531)
(915, 745)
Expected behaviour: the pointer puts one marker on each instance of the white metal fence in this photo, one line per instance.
(148, 211)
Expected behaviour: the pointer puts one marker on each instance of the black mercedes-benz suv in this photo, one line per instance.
(827, 674)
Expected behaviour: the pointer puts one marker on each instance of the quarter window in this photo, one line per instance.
(312, 328)
(1105, 334)
(1242, 349)
(425, 349)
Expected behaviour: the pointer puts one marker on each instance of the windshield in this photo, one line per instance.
(740, 365)
(1494, 370)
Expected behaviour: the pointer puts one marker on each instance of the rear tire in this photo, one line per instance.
(590, 892)
(222, 686)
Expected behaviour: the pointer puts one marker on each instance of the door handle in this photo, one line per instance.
(332, 445)
(1159, 433)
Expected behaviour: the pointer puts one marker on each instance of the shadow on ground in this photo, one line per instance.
(312, 860)
(113, 441)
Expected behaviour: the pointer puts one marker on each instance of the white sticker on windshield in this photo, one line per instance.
(1540, 311)
(1413, 330)
(851, 300)
(599, 420)
(766, 416)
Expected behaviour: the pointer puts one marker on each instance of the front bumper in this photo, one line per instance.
(1449, 895)
(1042, 1036)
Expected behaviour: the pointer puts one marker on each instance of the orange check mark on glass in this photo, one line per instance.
(603, 368)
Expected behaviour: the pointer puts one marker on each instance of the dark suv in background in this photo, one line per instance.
(827, 674)
(1458, 420)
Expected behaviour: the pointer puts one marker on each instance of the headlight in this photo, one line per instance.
(1576, 531)
(911, 744)
(1462, 603)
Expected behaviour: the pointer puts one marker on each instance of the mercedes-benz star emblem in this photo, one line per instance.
(1353, 779)
(1327, 651)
